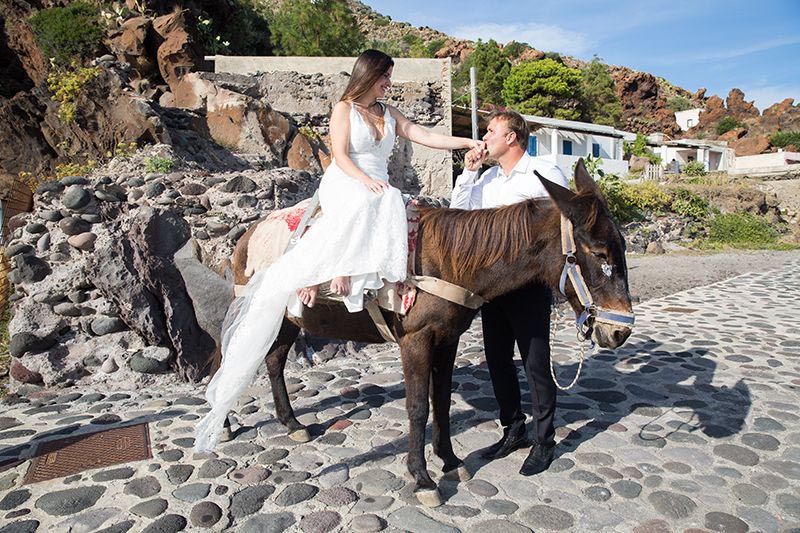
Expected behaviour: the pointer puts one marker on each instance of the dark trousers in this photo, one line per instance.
(522, 316)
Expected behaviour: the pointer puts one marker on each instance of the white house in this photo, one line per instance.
(564, 141)
(765, 165)
(688, 119)
(715, 155)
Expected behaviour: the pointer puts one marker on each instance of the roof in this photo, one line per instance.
(462, 118)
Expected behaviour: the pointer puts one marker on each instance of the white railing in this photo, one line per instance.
(653, 172)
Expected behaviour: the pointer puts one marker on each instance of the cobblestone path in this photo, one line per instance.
(693, 424)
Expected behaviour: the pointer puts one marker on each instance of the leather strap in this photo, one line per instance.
(447, 291)
(377, 317)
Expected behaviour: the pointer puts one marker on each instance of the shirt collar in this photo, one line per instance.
(521, 166)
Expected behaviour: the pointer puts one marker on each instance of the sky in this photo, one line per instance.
(716, 44)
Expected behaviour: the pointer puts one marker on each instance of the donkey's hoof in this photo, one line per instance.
(429, 498)
(300, 435)
(226, 435)
(458, 474)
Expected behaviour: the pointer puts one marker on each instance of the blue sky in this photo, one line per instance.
(716, 44)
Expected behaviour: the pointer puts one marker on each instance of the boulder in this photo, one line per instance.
(22, 374)
(127, 43)
(30, 268)
(734, 134)
(751, 145)
(638, 163)
(177, 53)
(302, 155)
(738, 107)
(136, 271)
(210, 293)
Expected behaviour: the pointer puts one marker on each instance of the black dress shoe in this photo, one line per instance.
(538, 460)
(513, 439)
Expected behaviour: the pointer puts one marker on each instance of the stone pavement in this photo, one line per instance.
(693, 425)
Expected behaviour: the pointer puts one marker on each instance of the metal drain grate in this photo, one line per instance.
(70, 455)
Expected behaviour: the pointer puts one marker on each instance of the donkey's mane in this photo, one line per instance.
(463, 242)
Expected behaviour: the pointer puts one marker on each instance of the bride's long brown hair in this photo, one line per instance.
(370, 66)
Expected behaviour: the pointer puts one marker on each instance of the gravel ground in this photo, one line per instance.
(654, 276)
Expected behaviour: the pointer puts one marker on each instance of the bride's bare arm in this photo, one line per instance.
(427, 137)
(340, 144)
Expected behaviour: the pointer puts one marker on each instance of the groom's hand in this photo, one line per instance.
(474, 159)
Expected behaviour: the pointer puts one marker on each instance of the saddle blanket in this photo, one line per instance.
(273, 235)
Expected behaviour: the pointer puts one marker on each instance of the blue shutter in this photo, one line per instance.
(532, 146)
(567, 147)
(595, 150)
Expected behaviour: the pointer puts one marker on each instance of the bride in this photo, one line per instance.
(359, 242)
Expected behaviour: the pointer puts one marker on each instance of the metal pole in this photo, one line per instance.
(473, 94)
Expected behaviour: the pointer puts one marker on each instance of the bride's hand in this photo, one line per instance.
(376, 186)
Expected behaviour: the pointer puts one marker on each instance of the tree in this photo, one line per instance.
(544, 87)
(599, 101)
(492, 68)
(316, 28)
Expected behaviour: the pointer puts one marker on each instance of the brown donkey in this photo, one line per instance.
(489, 252)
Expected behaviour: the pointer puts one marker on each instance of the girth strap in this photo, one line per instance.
(375, 314)
(447, 291)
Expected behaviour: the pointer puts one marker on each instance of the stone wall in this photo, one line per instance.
(307, 89)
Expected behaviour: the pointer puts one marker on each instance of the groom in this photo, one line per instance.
(522, 316)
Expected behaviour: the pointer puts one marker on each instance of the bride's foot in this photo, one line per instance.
(341, 285)
(308, 295)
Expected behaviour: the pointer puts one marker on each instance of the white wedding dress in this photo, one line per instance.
(360, 234)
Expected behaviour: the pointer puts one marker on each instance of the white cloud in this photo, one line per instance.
(766, 95)
(541, 36)
(730, 53)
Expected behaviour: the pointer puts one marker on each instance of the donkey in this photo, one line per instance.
(489, 252)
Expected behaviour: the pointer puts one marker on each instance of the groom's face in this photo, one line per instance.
(498, 138)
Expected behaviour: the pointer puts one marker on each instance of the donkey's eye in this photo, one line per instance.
(600, 255)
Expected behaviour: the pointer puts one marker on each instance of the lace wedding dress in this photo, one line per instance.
(360, 234)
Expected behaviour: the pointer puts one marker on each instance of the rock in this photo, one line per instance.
(76, 197)
(192, 492)
(35, 228)
(151, 508)
(296, 493)
(70, 501)
(109, 366)
(672, 505)
(655, 248)
(239, 184)
(750, 145)
(301, 155)
(43, 244)
(16, 249)
(205, 514)
(733, 135)
(249, 500)
(144, 487)
(171, 523)
(146, 365)
(268, 523)
(84, 241)
(14, 499)
(30, 268)
(738, 107)
(412, 519)
(177, 54)
(128, 45)
(105, 325)
(320, 521)
(24, 342)
(369, 523)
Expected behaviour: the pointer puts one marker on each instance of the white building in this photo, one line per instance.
(715, 155)
(688, 119)
(564, 141)
(766, 165)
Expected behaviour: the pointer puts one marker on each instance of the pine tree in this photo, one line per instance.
(492, 68)
(599, 101)
(316, 28)
(544, 87)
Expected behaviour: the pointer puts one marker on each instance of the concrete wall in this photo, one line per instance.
(776, 159)
(421, 91)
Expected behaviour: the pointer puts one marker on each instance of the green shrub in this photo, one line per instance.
(741, 230)
(628, 202)
(69, 33)
(687, 204)
(727, 124)
(781, 139)
(694, 168)
(66, 85)
(319, 28)
(679, 103)
(161, 165)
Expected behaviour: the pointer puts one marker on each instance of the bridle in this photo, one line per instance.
(591, 313)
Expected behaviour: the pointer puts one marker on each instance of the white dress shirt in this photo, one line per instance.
(494, 188)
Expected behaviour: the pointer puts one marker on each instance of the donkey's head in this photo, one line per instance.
(599, 252)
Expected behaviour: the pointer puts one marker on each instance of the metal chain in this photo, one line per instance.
(581, 353)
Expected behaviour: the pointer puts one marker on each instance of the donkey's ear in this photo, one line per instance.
(584, 183)
(561, 195)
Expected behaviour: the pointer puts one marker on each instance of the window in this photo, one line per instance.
(689, 123)
(532, 145)
(566, 147)
(595, 149)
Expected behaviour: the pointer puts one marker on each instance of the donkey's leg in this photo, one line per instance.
(415, 353)
(276, 361)
(441, 385)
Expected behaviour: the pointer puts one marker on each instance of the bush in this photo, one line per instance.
(781, 139)
(727, 124)
(66, 85)
(545, 87)
(679, 103)
(492, 68)
(694, 168)
(741, 229)
(628, 202)
(687, 204)
(161, 165)
(318, 28)
(598, 96)
(69, 33)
